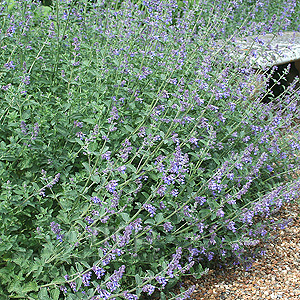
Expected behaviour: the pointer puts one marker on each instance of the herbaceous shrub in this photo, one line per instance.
(132, 149)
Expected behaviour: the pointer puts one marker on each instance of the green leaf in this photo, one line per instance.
(11, 5)
(149, 221)
(30, 286)
(125, 217)
(162, 296)
(128, 128)
(138, 291)
(90, 121)
(73, 237)
(55, 294)
(87, 167)
(163, 76)
(159, 218)
(46, 10)
(138, 279)
(85, 264)
(43, 294)
(199, 273)
(95, 178)
(79, 267)
(213, 216)
(15, 286)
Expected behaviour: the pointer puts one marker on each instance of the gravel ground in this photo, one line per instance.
(274, 276)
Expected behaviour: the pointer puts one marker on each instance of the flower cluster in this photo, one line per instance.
(55, 227)
(113, 282)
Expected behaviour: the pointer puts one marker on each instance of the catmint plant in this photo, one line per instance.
(133, 150)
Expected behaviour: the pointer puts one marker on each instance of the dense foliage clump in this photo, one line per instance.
(133, 150)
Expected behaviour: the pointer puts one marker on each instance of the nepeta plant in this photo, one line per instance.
(132, 150)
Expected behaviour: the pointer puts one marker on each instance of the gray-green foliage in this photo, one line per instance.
(127, 139)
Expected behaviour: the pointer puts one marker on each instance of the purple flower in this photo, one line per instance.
(174, 193)
(193, 252)
(130, 296)
(54, 181)
(247, 217)
(210, 256)
(99, 272)
(142, 132)
(126, 150)
(80, 135)
(212, 185)
(168, 226)
(231, 226)
(114, 279)
(96, 200)
(103, 294)
(125, 238)
(55, 227)
(212, 240)
(111, 186)
(174, 264)
(35, 132)
(23, 127)
(86, 278)
(194, 141)
(122, 169)
(161, 190)
(78, 124)
(9, 65)
(112, 285)
(115, 199)
(136, 225)
(220, 213)
(149, 289)
(169, 179)
(149, 236)
(180, 162)
(26, 79)
(105, 137)
(89, 220)
(76, 44)
(232, 106)
(187, 267)
(187, 293)
(200, 227)
(6, 87)
(114, 115)
(162, 280)
(246, 139)
(73, 286)
(235, 246)
(42, 192)
(200, 200)
(63, 289)
(150, 208)
(104, 219)
(230, 176)
(187, 211)
(239, 166)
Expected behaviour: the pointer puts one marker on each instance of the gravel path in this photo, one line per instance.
(274, 276)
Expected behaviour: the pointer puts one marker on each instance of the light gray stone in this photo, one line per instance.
(272, 49)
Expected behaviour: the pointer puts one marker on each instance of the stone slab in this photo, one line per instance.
(271, 49)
